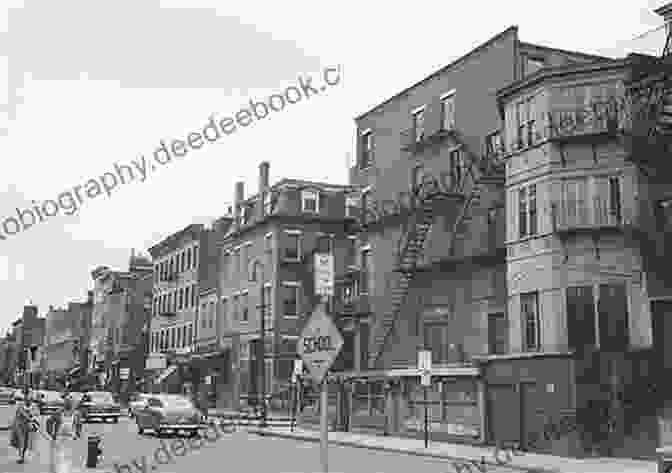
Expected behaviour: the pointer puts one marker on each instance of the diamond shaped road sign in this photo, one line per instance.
(320, 343)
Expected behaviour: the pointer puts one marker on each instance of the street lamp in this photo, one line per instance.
(257, 274)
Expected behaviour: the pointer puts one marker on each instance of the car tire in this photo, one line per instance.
(141, 431)
(193, 434)
(116, 420)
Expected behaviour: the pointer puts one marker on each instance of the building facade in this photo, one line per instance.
(61, 345)
(432, 239)
(269, 256)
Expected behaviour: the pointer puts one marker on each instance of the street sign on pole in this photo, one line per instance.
(324, 274)
(425, 370)
(320, 343)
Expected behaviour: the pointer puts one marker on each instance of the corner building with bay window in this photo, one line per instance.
(435, 276)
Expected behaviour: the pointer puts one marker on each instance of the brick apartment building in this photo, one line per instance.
(182, 264)
(438, 273)
(275, 233)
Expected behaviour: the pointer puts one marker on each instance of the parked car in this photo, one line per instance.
(6, 395)
(76, 398)
(99, 405)
(137, 401)
(49, 402)
(169, 413)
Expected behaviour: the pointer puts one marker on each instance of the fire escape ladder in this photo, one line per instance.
(410, 249)
(478, 173)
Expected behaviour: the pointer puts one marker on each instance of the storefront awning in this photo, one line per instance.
(165, 373)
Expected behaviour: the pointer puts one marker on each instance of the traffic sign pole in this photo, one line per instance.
(324, 431)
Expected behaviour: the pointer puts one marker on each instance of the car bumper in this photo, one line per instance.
(50, 410)
(181, 426)
(91, 415)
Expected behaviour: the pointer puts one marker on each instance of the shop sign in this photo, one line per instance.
(124, 373)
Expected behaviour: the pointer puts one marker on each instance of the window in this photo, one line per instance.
(532, 65)
(244, 301)
(172, 337)
(244, 351)
(268, 309)
(493, 144)
(212, 314)
(180, 341)
(309, 201)
(225, 308)
(615, 198)
(580, 318)
(187, 297)
(194, 295)
(366, 153)
(529, 308)
(268, 251)
(236, 307)
(435, 341)
(244, 268)
(419, 124)
(195, 256)
(324, 244)
(352, 203)
(290, 299)
(351, 251)
(365, 271)
(613, 317)
(526, 123)
(184, 261)
(527, 211)
(292, 249)
(203, 316)
(190, 334)
(189, 258)
(456, 169)
(497, 333)
(448, 111)
(181, 301)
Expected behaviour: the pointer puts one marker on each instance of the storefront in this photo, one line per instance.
(210, 368)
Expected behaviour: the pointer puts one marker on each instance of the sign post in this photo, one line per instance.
(319, 345)
(425, 370)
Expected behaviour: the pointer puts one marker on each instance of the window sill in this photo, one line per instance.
(290, 316)
(291, 260)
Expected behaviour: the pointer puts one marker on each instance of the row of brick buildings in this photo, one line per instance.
(516, 225)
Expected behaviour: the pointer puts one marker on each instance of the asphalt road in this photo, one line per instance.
(125, 451)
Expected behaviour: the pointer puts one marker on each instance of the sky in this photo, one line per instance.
(86, 84)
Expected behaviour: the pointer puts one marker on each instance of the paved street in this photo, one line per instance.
(240, 451)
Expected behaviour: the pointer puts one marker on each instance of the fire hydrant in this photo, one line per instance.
(94, 452)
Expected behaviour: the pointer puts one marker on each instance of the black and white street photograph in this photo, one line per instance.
(335, 237)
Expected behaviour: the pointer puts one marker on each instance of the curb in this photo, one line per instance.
(351, 443)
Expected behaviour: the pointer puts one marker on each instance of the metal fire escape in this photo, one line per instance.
(478, 171)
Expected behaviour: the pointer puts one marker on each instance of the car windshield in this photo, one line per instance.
(177, 402)
(100, 397)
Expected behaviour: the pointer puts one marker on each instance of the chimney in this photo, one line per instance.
(238, 198)
(263, 176)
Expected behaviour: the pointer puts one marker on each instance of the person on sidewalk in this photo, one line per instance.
(62, 429)
(24, 428)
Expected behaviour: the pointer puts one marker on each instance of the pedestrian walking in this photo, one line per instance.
(24, 429)
(62, 429)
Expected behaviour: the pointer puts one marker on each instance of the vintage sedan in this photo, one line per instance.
(137, 402)
(169, 413)
(99, 405)
(49, 402)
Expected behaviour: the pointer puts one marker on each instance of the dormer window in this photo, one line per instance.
(310, 201)
(366, 149)
(352, 203)
(267, 203)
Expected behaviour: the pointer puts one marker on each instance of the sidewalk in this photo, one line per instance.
(530, 462)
